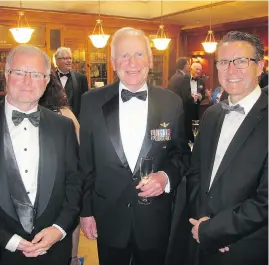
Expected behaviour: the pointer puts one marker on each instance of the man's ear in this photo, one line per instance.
(260, 65)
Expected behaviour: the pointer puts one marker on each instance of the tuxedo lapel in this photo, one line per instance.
(5, 197)
(111, 115)
(216, 125)
(253, 118)
(153, 122)
(47, 162)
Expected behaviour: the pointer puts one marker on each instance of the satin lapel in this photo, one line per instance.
(215, 128)
(47, 162)
(253, 118)
(5, 200)
(111, 115)
(153, 122)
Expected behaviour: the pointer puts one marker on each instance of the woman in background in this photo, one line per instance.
(55, 99)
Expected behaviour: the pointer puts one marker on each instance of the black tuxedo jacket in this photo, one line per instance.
(182, 87)
(110, 194)
(59, 190)
(237, 202)
(75, 86)
(173, 81)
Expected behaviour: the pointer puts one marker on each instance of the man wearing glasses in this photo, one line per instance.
(39, 184)
(227, 184)
(74, 83)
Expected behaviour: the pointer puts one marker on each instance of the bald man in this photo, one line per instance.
(191, 88)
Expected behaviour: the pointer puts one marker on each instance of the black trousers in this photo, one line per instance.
(130, 255)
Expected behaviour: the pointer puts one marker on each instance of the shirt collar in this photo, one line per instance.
(248, 102)
(143, 88)
(59, 71)
(9, 108)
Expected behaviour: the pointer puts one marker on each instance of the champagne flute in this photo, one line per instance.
(146, 167)
(195, 128)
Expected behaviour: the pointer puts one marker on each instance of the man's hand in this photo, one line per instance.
(88, 226)
(195, 227)
(24, 244)
(154, 186)
(198, 96)
(43, 241)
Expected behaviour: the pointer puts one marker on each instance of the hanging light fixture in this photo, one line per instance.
(161, 42)
(210, 44)
(98, 37)
(22, 34)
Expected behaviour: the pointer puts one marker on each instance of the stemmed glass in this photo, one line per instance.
(146, 167)
(195, 128)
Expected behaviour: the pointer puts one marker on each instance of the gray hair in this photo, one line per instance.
(60, 51)
(27, 49)
(128, 31)
(255, 42)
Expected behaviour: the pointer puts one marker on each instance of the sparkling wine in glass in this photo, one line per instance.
(146, 167)
(195, 128)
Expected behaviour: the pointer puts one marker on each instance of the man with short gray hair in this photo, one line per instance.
(74, 83)
(40, 188)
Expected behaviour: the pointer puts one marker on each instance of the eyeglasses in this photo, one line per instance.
(20, 75)
(239, 63)
(65, 58)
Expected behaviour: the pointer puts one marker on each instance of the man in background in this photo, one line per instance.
(227, 185)
(40, 187)
(182, 69)
(191, 88)
(120, 124)
(74, 83)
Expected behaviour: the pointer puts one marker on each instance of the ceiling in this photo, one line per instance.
(188, 14)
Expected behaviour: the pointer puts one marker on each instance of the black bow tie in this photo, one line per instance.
(127, 95)
(67, 74)
(194, 78)
(18, 117)
(236, 108)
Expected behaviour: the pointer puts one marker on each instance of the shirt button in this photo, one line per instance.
(25, 128)
(28, 192)
(25, 149)
(26, 171)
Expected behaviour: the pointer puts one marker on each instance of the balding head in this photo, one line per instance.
(196, 70)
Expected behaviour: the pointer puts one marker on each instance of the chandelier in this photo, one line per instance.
(161, 42)
(210, 44)
(98, 37)
(22, 34)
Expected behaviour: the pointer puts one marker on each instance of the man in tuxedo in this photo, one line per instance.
(191, 88)
(228, 180)
(40, 190)
(182, 69)
(74, 83)
(120, 124)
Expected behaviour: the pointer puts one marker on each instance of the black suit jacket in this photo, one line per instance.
(75, 86)
(237, 202)
(173, 81)
(59, 190)
(110, 194)
(182, 87)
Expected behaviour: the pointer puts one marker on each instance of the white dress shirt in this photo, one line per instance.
(63, 79)
(232, 122)
(25, 142)
(193, 84)
(133, 116)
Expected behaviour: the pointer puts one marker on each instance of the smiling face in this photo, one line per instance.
(238, 82)
(131, 61)
(64, 62)
(24, 92)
